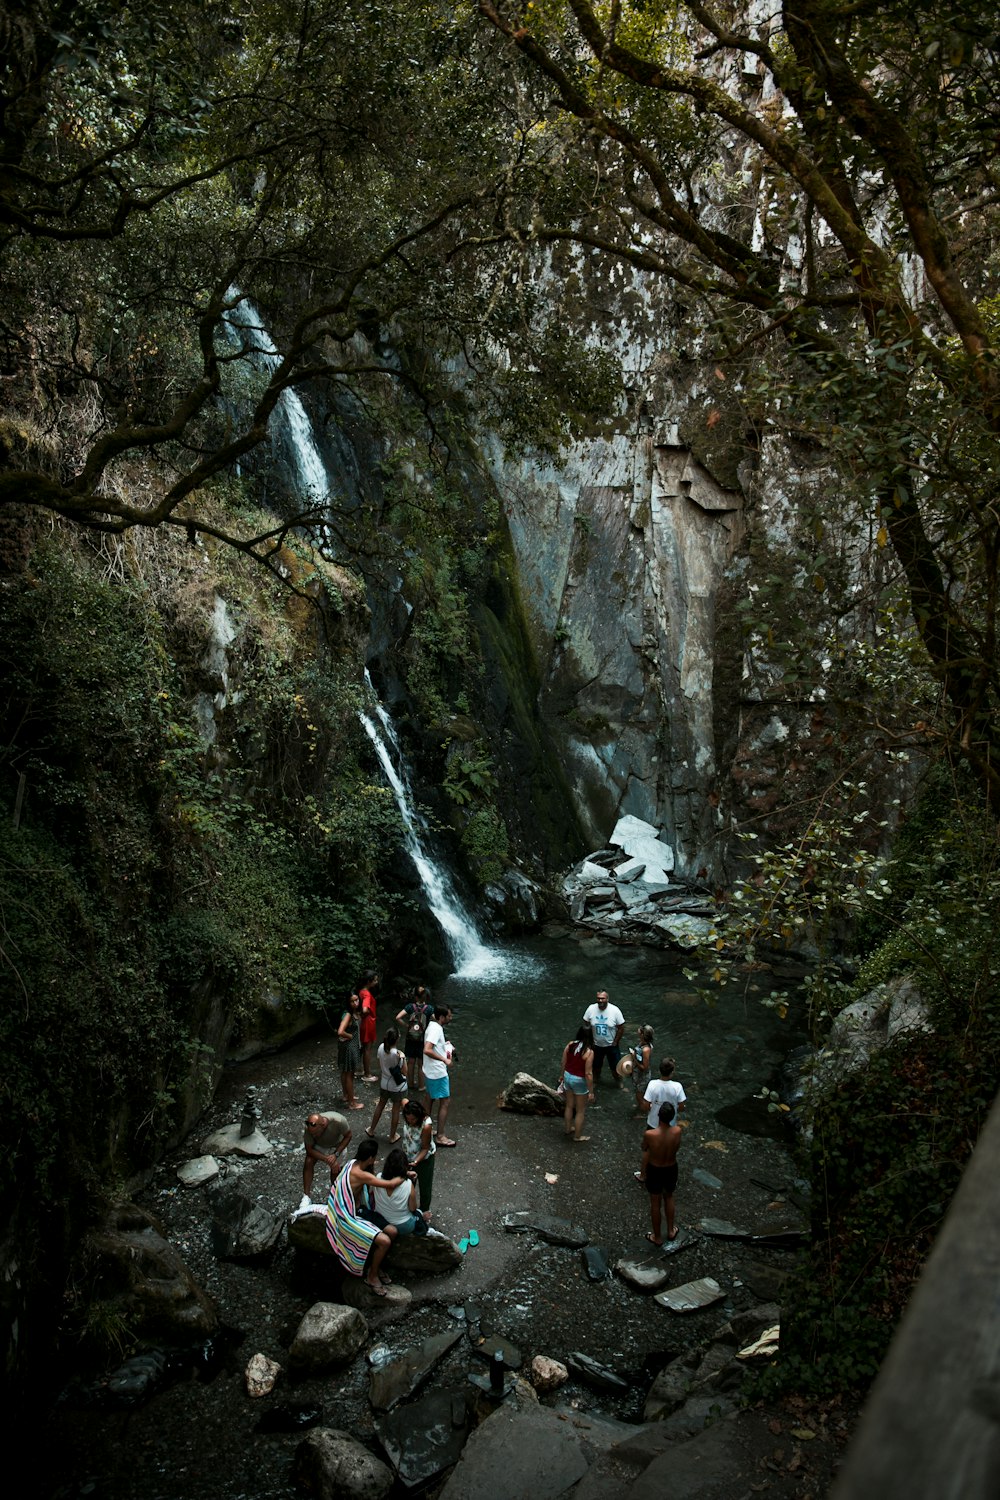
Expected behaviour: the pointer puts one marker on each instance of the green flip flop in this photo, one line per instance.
(463, 1245)
(473, 1237)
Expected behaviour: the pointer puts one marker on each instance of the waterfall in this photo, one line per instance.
(244, 322)
(471, 957)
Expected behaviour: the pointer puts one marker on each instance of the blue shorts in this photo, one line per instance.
(574, 1085)
(438, 1088)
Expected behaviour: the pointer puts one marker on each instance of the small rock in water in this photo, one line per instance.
(378, 1355)
(261, 1374)
(595, 1262)
(705, 1178)
(595, 1374)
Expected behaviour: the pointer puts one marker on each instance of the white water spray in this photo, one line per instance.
(470, 955)
(245, 321)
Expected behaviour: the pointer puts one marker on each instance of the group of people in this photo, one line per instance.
(660, 1099)
(365, 1212)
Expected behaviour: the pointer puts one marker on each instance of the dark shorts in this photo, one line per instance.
(661, 1181)
(413, 1047)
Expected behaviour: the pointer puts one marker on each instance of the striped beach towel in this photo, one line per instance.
(350, 1237)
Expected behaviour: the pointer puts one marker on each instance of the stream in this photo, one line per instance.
(199, 1437)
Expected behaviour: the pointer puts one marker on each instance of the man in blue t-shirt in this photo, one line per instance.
(607, 1023)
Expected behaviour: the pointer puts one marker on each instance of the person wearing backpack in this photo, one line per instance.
(414, 1017)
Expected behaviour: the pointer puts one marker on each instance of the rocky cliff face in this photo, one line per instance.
(623, 558)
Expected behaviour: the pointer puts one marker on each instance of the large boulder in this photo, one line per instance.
(129, 1265)
(329, 1334)
(413, 1255)
(526, 1095)
(332, 1465)
(244, 1227)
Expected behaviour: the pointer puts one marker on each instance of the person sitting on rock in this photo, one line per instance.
(659, 1171)
(358, 1243)
(398, 1206)
(326, 1136)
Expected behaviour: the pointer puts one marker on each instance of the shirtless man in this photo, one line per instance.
(659, 1170)
(324, 1139)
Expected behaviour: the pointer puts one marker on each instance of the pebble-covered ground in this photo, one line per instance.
(200, 1439)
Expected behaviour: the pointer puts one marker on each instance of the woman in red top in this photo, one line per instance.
(578, 1080)
(369, 984)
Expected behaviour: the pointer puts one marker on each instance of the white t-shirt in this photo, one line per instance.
(662, 1091)
(605, 1023)
(385, 1062)
(435, 1067)
(393, 1203)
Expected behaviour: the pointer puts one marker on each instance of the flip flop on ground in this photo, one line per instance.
(443, 1140)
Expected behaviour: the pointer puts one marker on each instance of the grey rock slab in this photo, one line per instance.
(595, 1263)
(594, 1373)
(228, 1140)
(683, 1241)
(554, 1231)
(708, 1466)
(329, 1334)
(398, 1378)
(332, 1465)
(244, 1227)
(630, 870)
(698, 1412)
(641, 1275)
(744, 1327)
(199, 1169)
(721, 1229)
(765, 1281)
(692, 1296)
(670, 1388)
(518, 1454)
(489, 1347)
(683, 930)
(705, 1178)
(425, 1437)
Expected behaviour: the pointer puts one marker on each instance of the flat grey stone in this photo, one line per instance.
(425, 1437)
(517, 1454)
(595, 1263)
(228, 1140)
(705, 1178)
(643, 1276)
(554, 1231)
(595, 1374)
(199, 1169)
(397, 1378)
(721, 1229)
(642, 841)
(692, 1296)
(630, 870)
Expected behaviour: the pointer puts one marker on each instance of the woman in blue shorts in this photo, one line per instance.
(578, 1081)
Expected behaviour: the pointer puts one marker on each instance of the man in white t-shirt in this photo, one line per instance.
(607, 1023)
(663, 1090)
(438, 1054)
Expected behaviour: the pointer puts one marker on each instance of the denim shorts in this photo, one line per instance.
(574, 1085)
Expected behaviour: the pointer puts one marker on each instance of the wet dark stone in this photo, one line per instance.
(765, 1281)
(494, 1345)
(398, 1378)
(290, 1418)
(425, 1437)
(554, 1231)
(597, 1375)
(242, 1227)
(137, 1378)
(595, 1262)
(750, 1116)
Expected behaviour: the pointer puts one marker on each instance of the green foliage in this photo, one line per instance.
(153, 876)
(486, 844)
